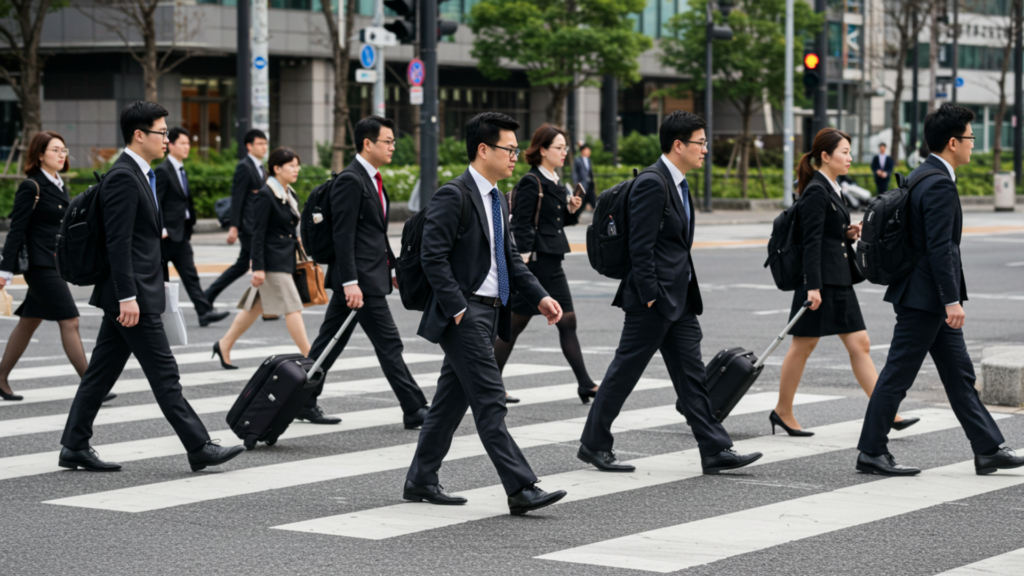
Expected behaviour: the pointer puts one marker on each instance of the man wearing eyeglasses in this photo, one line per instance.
(363, 271)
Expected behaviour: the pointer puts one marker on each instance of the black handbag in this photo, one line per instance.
(21, 266)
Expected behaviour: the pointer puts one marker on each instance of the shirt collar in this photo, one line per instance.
(143, 165)
(256, 161)
(176, 163)
(56, 180)
(677, 176)
(549, 175)
(948, 166)
(835, 185)
(367, 166)
(482, 184)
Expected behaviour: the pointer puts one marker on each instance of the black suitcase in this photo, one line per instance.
(733, 371)
(275, 394)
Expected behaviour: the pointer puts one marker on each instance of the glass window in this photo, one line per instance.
(649, 18)
(835, 39)
(668, 10)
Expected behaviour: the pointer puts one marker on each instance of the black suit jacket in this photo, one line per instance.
(173, 203)
(362, 251)
(456, 267)
(274, 241)
(38, 228)
(583, 174)
(660, 257)
(936, 224)
(549, 236)
(246, 182)
(882, 183)
(133, 228)
(827, 253)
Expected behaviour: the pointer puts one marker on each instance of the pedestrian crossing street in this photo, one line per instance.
(669, 547)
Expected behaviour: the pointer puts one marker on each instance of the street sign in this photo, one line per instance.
(959, 82)
(378, 36)
(260, 62)
(416, 72)
(416, 95)
(367, 56)
(366, 76)
(941, 94)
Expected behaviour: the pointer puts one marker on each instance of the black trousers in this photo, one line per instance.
(470, 379)
(114, 345)
(180, 254)
(376, 320)
(236, 271)
(644, 333)
(917, 334)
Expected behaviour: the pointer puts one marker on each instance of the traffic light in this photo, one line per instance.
(405, 27)
(446, 28)
(812, 76)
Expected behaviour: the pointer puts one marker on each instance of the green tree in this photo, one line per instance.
(750, 68)
(563, 44)
(21, 27)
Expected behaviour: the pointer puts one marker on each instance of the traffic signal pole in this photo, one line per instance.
(428, 112)
(378, 87)
(787, 113)
(820, 119)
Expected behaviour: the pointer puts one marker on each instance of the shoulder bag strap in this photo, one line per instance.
(540, 198)
(38, 191)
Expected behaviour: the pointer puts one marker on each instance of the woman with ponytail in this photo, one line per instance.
(827, 237)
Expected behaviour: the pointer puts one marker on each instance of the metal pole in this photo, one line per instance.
(787, 113)
(243, 86)
(1018, 92)
(610, 116)
(821, 94)
(379, 87)
(913, 88)
(708, 107)
(862, 109)
(428, 112)
(956, 45)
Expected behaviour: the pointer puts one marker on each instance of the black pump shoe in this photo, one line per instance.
(223, 364)
(511, 399)
(776, 420)
(11, 397)
(905, 423)
(586, 393)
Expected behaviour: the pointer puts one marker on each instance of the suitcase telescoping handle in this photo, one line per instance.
(330, 345)
(780, 337)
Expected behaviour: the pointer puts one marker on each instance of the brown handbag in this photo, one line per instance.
(309, 280)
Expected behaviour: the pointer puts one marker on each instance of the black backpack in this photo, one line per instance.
(318, 237)
(413, 286)
(82, 244)
(785, 251)
(885, 253)
(608, 234)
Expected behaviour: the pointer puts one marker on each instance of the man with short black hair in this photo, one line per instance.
(661, 299)
(250, 175)
(882, 166)
(929, 309)
(472, 273)
(179, 216)
(363, 271)
(583, 173)
(132, 299)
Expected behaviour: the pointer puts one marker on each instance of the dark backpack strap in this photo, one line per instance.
(540, 199)
(918, 178)
(467, 207)
(664, 184)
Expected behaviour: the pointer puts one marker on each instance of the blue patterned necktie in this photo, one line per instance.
(499, 247)
(152, 187)
(686, 199)
(184, 180)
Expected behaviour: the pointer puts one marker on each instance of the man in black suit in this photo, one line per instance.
(472, 273)
(583, 173)
(250, 175)
(662, 300)
(882, 166)
(179, 216)
(929, 309)
(132, 299)
(362, 273)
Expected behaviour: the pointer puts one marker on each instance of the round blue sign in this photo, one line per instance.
(416, 72)
(260, 62)
(367, 56)
(959, 82)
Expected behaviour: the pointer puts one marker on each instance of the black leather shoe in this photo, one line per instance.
(1004, 459)
(315, 415)
(109, 397)
(603, 460)
(511, 399)
(12, 397)
(86, 459)
(414, 420)
(433, 493)
(884, 465)
(905, 423)
(212, 455)
(211, 317)
(532, 498)
(727, 459)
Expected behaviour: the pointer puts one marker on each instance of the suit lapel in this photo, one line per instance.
(146, 189)
(174, 179)
(676, 199)
(370, 189)
(478, 201)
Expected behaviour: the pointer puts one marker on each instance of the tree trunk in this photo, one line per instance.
(26, 23)
(30, 103)
(341, 69)
(150, 66)
(933, 56)
(556, 108)
(997, 148)
(896, 105)
(747, 111)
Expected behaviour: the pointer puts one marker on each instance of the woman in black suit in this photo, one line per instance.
(540, 238)
(829, 275)
(274, 246)
(39, 206)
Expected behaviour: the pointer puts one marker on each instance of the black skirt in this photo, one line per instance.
(48, 297)
(839, 313)
(547, 268)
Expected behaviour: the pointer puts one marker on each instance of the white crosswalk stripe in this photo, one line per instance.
(1003, 564)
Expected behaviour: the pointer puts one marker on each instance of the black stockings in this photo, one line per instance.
(22, 335)
(566, 337)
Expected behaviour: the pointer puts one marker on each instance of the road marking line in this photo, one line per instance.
(766, 312)
(1009, 563)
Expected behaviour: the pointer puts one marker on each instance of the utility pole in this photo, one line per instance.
(956, 45)
(723, 32)
(610, 116)
(915, 53)
(379, 87)
(787, 113)
(820, 119)
(1018, 90)
(428, 111)
(243, 86)
(862, 108)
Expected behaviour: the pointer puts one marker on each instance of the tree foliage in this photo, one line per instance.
(21, 27)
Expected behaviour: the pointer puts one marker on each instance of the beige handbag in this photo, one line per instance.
(6, 303)
(309, 280)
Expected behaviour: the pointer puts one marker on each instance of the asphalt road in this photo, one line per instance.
(328, 499)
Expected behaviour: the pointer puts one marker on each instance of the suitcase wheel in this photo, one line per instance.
(249, 442)
(271, 442)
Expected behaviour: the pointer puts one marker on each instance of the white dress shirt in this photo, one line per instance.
(952, 175)
(489, 288)
(259, 165)
(548, 174)
(372, 171)
(677, 178)
(835, 186)
(144, 166)
(178, 167)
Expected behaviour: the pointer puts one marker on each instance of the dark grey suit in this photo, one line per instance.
(583, 173)
(174, 203)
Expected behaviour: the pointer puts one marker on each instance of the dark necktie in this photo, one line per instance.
(380, 192)
(152, 188)
(499, 247)
(184, 181)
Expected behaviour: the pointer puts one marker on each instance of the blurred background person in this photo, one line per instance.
(583, 173)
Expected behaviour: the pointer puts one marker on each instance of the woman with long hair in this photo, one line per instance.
(830, 272)
(540, 210)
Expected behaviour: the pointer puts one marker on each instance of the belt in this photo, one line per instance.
(493, 302)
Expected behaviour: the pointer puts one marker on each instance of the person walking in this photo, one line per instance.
(275, 247)
(39, 206)
(929, 309)
(472, 278)
(179, 216)
(132, 298)
(882, 166)
(362, 274)
(830, 271)
(661, 299)
(583, 173)
(540, 212)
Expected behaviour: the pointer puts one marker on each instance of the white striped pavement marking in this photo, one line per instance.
(1004, 564)
(721, 537)
(44, 462)
(488, 502)
(195, 489)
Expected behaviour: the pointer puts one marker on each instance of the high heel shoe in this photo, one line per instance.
(223, 364)
(11, 397)
(905, 423)
(586, 394)
(777, 421)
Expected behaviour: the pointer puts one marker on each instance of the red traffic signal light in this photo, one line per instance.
(811, 61)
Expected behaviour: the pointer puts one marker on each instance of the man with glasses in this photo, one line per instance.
(661, 299)
(363, 271)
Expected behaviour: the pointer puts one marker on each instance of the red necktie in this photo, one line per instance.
(380, 190)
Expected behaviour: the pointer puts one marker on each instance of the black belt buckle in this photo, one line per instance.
(492, 302)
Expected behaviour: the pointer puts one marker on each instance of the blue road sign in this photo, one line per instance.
(416, 72)
(959, 82)
(367, 56)
(260, 62)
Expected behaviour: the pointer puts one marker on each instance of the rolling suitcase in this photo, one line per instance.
(275, 394)
(733, 371)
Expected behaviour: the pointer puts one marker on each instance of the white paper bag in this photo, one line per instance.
(173, 318)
